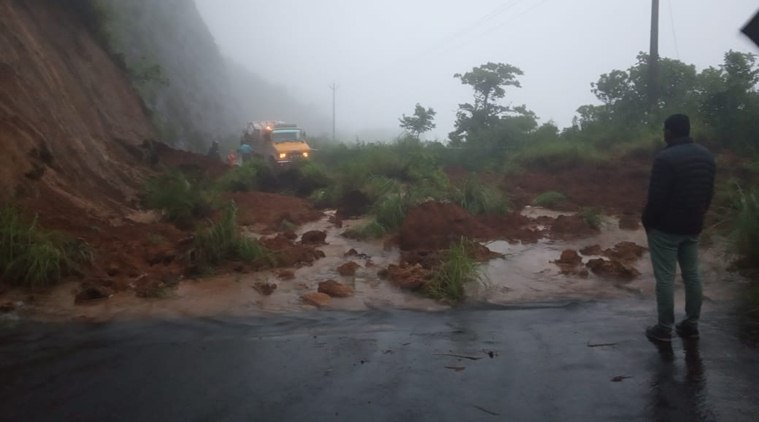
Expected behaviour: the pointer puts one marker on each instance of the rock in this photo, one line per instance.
(569, 257)
(7, 307)
(612, 268)
(626, 252)
(570, 264)
(265, 289)
(316, 299)
(410, 277)
(89, 292)
(286, 274)
(351, 252)
(314, 237)
(348, 269)
(592, 250)
(335, 289)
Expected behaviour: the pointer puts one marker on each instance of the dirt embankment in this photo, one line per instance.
(70, 121)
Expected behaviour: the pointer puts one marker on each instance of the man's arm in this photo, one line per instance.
(658, 193)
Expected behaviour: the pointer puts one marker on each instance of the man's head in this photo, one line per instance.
(676, 126)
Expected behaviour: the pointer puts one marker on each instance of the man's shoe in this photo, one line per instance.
(659, 333)
(686, 329)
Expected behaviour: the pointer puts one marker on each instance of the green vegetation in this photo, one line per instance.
(456, 269)
(550, 199)
(420, 122)
(252, 175)
(591, 217)
(223, 241)
(479, 198)
(369, 230)
(33, 257)
(182, 200)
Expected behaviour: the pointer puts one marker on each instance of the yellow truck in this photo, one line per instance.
(277, 142)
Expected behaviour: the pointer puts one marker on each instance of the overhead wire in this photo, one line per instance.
(672, 25)
(443, 44)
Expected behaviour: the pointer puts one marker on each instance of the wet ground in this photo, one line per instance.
(569, 361)
(526, 273)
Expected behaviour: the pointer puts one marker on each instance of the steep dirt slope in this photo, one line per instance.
(68, 116)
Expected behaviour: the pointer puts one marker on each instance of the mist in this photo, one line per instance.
(384, 57)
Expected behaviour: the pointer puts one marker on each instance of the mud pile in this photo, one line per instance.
(435, 225)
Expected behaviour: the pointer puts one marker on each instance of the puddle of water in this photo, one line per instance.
(527, 273)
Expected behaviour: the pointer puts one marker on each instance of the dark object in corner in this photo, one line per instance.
(751, 29)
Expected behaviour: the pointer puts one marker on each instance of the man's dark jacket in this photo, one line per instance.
(681, 188)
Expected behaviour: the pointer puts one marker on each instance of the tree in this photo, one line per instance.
(420, 122)
(488, 82)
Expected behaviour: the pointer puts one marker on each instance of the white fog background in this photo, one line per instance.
(387, 55)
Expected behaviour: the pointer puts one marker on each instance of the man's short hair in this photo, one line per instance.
(678, 124)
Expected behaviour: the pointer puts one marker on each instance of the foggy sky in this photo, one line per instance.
(387, 55)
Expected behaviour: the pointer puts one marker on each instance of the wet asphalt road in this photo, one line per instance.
(551, 362)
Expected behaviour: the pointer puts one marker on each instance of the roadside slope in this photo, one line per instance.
(68, 116)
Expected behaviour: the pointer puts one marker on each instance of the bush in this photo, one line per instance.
(550, 199)
(456, 269)
(32, 257)
(591, 217)
(181, 200)
(479, 198)
(223, 241)
(253, 175)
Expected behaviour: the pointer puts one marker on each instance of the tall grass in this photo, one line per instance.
(479, 198)
(224, 241)
(33, 257)
(182, 200)
(456, 269)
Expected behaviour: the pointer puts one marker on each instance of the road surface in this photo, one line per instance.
(556, 361)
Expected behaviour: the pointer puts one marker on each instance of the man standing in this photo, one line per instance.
(679, 194)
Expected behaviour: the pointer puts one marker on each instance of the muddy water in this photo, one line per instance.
(525, 274)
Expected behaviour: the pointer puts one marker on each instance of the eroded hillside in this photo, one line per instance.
(71, 125)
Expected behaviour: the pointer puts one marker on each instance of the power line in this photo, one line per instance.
(672, 24)
(442, 44)
(499, 25)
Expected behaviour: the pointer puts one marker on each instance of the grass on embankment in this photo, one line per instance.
(33, 257)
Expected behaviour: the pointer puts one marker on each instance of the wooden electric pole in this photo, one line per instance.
(653, 57)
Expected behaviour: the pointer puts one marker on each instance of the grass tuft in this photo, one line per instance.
(479, 198)
(456, 269)
(591, 217)
(32, 257)
(224, 241)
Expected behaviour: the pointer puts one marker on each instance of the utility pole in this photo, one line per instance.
(653, 57)
(333, 87)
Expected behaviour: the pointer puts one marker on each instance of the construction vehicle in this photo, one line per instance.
(278, 143)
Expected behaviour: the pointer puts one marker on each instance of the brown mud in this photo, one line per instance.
(140, 265)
